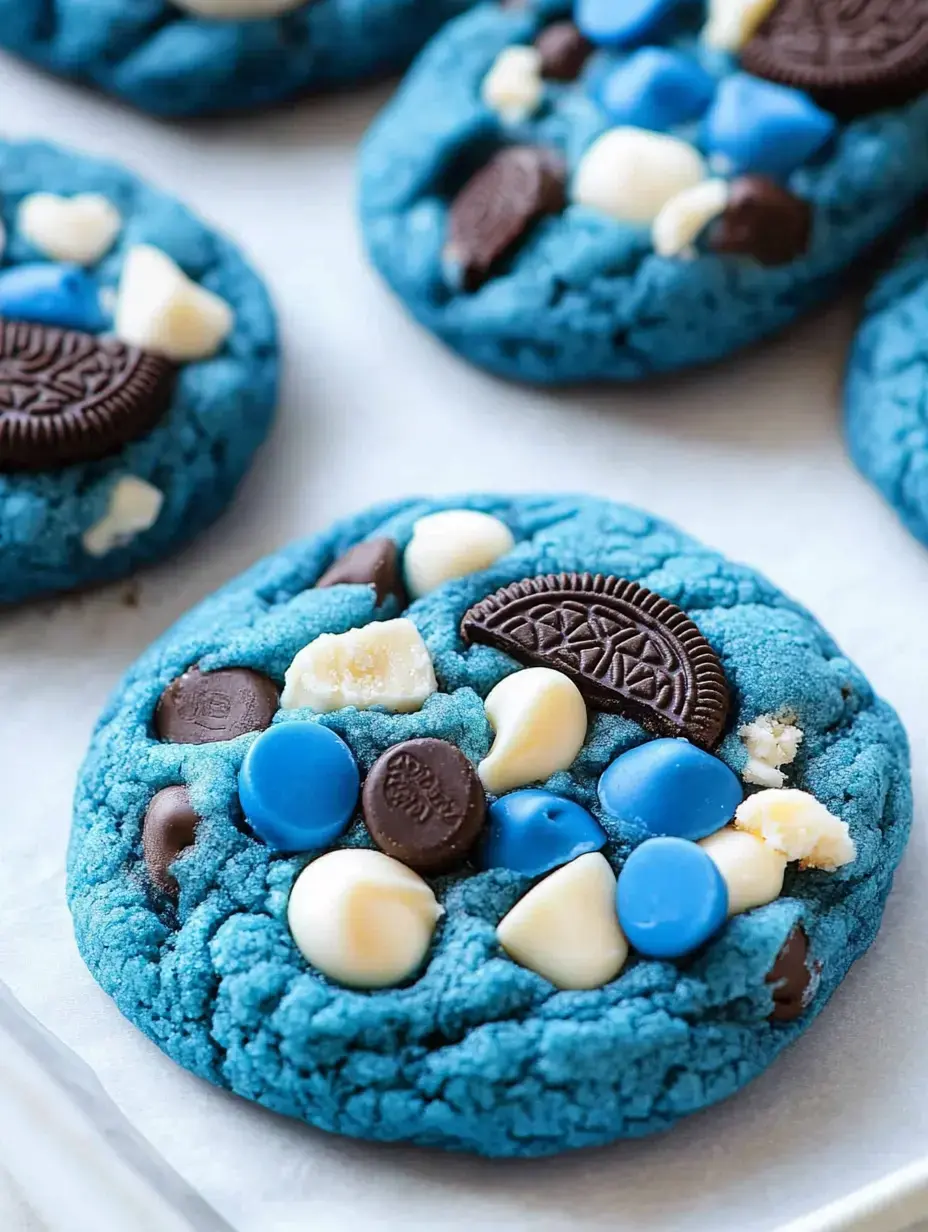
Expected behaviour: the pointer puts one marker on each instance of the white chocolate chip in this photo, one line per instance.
(382, 664)
(733, 23)
(539, 717)
(685, 216)
(79, 229)
(567, 928)
(800, 826)
(450, 544)
(513, 88)
(362, 918)
(134, 507)
(771, 742)
(752, 869)
(161, 309)
(630, 173)
(238, 10)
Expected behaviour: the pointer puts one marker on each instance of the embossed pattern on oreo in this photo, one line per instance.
(203, 707)
(68, 397)
(628, 649)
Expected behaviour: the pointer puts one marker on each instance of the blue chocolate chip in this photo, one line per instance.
(48, 294)
(620, 23)
(533, 831)
(670, 787)
(299, 786)
(671, 898)
(656, 89)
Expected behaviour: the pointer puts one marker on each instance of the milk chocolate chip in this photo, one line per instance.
(564, 51)
(374, 563)
(791, 978)
(763, 221)
(202, 707)
(170, 827)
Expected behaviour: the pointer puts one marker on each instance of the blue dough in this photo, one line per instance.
(656, 89)
(174, 63)
(670, 787)
(49, 293)
(584, 296)
(478, 1053)
(887, 389)
(671, 898)
(221, 410)
(766, 129)
(533, 832)
(299, 786)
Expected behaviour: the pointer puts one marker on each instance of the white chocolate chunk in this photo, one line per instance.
(134, 507)
(733, 23)
(382, 664)
(539, 717)
(752, 869)
(631, 174)
(452, 544)
(567, 927)
(513, 88)
(161, 309)
(79, 229)
(771, 742)
(800, 826)
(238, 10)
(685, 216)
(362, 918)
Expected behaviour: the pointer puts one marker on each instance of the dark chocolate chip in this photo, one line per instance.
(496, 207)
(627, 649)
(170, 827)
(564, 51)
(375, 563)
(68, 397)
(424, 804)
(763, 221)
(791, 978)
(202, 707)
(852, 56)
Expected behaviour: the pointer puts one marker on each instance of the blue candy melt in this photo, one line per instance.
(671, 898)
(533, 832)
(656, 89)
(769, 129)
(670, 787)
(620, 23)
(49, 294)
(298, 786)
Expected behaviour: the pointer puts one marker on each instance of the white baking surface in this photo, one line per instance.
(748, 457)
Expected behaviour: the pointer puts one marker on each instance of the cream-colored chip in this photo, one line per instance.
(631, 173)
(238, 10)
(451, 544)
(513, 88)
(382, 664)
(79, 229)
(567, 927)
(752, 869)
(771, 741)
(540, 718)
(800, 826)
(733, 23)
(685, 216)
(362, 918)
(161, 309)
(134, 506)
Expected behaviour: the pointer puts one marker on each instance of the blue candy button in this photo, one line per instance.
(620, 23)
(769, 129)
(670, 787)
(299, 786)
(671, 898)
(534, 831)
(61, 295)
(656, 89)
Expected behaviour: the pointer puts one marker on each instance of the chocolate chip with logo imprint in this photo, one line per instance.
(374, 563)
(791, 978)
(497, 206)
(203, 707)
(763, 221)
(424, 804)
(170, 827)
(564, 51)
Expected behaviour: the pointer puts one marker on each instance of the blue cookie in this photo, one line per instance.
(887, 388)
(536, 194)
(115, 453)
(339, 986)
(199, 57)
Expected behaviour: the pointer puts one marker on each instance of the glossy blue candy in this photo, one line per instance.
(298, 786)
(49, 294)
(768, 129)
(535, 831)
(656, 89)
(670, 787)
(671, 898)
(620, 23)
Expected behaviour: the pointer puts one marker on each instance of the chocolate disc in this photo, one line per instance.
(374, 563)
(564, 51)
(169, 828)
(424, 804)
(68, 397)
(791, 978)
(851, 55)
(763, 221)
(202, 707)
(496, 207)
(626, 648)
